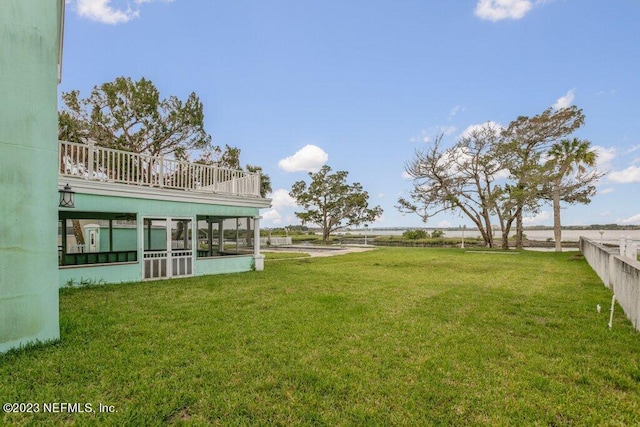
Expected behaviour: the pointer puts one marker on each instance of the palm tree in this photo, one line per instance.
(565, 157)
(265, 180)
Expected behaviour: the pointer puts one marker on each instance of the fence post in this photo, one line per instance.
(161, 172)
(91, 158)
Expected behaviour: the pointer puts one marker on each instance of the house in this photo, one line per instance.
(122, 217)
(30, 64)
(137, 217)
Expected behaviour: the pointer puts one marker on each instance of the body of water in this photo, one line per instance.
(608, 236)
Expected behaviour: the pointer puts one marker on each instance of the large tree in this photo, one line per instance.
(525, 142)
(463, 178)
(331, 203)
(572, 172)
(130, 115)
(459, 179)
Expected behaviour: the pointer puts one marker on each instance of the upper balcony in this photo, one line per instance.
(95, 163)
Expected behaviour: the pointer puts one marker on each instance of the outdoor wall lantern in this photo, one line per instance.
(66, 197)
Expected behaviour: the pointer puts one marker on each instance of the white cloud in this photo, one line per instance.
(108, 11)
(273, 216)
(607, 92)
(565, 101)
(481, 126)
(281, 203)
(425, 134)
(309, 158)
(292, 219)
(446, 130)
(606, 190)
(444, 224)
(282, 199)
(502, 174)
(496, 10)
(631, 220)
(626, 176)
(634, 148)
(536, 219)
(454, 111)
(102, 11)
(605, 156)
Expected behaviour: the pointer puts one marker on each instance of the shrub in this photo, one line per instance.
(415, 235)
(437, 234)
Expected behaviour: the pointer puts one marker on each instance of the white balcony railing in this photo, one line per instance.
(92, 162)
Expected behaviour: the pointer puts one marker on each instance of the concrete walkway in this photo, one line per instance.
(320, 251)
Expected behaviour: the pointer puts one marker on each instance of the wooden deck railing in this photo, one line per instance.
(92, 162)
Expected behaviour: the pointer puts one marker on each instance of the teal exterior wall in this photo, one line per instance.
(128, 272)
(29, 51)
(100, 274)
(223, 265)
(132, 272)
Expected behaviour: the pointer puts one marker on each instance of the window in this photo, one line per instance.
(220, 236)
(96, 238)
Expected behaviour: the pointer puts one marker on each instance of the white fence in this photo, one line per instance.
(89, 161)
(619, 273)
(274, 241)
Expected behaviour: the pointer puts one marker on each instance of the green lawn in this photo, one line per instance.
(276, 255)
(388, 337)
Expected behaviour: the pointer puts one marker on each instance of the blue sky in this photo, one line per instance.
(360, 85)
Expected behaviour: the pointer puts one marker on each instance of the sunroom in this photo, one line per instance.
(135, 217)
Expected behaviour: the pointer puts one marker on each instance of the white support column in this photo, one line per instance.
(221, 236)
(258, 258)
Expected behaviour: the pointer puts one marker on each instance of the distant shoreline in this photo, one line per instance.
(595, 227)
(532, 234)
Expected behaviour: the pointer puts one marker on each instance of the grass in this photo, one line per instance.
(389, 337)
(277, 255)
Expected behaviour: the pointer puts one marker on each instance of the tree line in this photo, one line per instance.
(493, 176)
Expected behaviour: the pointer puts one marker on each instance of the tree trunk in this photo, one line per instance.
(505, 227)
(519, 229)
(325, 236)
(325, 226)
(505, 233)
(477, 220)
(77, 231)
(505, 241)
(487, 221)
(557, 229)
